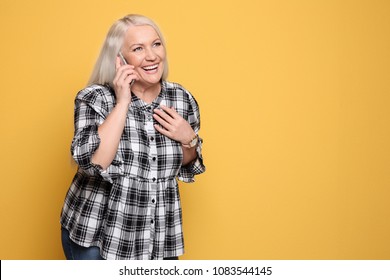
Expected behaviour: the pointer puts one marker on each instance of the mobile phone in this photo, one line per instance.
(122, 58)
(125, 63)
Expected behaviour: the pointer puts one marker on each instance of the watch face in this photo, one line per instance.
(194, 142)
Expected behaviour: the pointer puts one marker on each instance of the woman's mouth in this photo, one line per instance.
(150, 68)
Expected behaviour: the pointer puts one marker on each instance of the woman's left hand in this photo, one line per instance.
(173, 125)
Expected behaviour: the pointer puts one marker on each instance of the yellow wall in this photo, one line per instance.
(294, 98)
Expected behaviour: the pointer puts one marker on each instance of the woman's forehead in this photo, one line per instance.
(140, 34)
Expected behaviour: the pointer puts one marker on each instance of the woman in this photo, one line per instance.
(135, 133)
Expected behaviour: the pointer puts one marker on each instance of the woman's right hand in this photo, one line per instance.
(122, 81)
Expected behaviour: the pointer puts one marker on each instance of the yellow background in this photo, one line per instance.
(294, 98)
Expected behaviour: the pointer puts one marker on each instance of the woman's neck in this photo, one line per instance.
(147, 93)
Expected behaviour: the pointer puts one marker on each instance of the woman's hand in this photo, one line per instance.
(173, 125)
(124, 76)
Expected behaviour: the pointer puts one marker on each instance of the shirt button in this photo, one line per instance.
(151, 221)
(152, 138)
(153, 200)
(154, 179)
(154, 158)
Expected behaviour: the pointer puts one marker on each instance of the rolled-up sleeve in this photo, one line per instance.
(187, 173)
(91, 109)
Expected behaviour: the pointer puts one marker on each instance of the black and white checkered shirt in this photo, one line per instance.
(131, 210)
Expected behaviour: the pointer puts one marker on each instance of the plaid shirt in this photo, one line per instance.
(131, 210)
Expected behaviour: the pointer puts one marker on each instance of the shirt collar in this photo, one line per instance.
(139, 104)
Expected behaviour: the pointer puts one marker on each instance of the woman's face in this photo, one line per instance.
(143, 49)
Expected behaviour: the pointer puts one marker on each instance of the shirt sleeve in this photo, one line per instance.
(91, 109)
(188, 172)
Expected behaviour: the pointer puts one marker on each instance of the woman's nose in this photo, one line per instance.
(150, 55)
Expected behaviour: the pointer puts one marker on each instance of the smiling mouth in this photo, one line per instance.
(151, 67)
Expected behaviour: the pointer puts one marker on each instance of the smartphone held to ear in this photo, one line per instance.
(125, 63)
(122, 58)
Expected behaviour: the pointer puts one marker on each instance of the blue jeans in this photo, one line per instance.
(74, 251)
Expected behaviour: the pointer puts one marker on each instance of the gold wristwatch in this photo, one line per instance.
(194, 141)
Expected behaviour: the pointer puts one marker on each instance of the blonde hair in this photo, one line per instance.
(104, 71)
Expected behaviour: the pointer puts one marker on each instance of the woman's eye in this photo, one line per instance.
(137, 49)
(157, 44)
